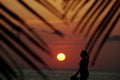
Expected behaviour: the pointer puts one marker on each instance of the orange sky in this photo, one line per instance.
(71, 44)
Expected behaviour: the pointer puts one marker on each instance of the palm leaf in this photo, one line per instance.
(83, 17)
(19, 29)
(41, 18)
(51, 8)
(102, 27)
(102, 9)
(6, 69)
(13, 61)
(91, 13)
(17, 18)
(104, 39)
(20, 53)
(21, 43)
(77, 11)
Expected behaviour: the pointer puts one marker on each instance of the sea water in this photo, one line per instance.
(65, 74)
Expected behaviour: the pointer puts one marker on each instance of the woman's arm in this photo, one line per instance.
(77, 72)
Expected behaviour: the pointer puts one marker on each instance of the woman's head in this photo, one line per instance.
(84, 54)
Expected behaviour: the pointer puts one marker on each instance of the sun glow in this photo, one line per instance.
(61, 57)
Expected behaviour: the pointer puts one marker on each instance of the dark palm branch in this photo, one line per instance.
(80, 7)
(102, 26)
(17, 18)
(14, 62)
(104, 39)
(51, 8)
(6, 69)
(100, 10)
(41, 18)
(20, 53)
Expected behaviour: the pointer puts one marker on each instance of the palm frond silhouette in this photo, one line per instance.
(84, 25)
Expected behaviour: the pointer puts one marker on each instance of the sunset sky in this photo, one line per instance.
(71, 44)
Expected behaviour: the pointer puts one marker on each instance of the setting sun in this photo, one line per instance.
(61, 57)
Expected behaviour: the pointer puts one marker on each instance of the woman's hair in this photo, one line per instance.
(84, 54)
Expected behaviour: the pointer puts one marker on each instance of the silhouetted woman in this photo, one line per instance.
(83, 69)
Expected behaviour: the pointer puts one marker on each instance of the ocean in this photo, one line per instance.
(63, 74)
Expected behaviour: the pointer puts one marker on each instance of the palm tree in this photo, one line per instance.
(91, 15)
